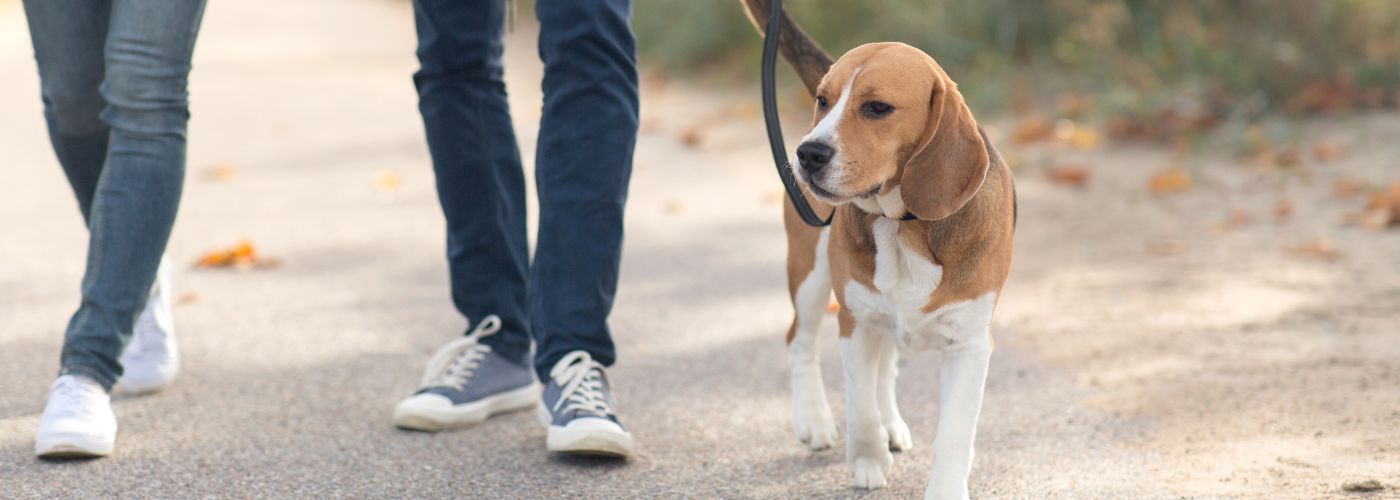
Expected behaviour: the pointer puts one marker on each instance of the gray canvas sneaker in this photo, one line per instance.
(466, 383)
(578, 407)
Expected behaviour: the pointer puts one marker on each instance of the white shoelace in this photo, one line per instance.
(582, 380)
(453, 365)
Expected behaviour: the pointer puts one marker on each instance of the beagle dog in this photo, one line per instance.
(917, 253)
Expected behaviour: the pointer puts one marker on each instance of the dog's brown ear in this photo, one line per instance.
(950, 162)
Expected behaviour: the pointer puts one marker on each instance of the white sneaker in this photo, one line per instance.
(77, 421)
(152, 359)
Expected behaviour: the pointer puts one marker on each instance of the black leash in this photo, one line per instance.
(770, 118)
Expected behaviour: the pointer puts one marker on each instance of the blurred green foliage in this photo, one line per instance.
(1292, 55)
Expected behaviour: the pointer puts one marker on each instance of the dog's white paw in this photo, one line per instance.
(868, 455)
(815, 426)
(869, 472)
(900, 438)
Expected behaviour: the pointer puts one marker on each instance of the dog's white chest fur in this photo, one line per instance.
(904, 280)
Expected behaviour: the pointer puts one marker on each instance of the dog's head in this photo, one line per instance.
(890, 122)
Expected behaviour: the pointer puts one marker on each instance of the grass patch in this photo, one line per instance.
(1291, 56)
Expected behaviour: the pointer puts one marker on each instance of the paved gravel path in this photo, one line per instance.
(1116, 375)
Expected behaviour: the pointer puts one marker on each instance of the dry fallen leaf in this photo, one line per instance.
(1166, 248)
(1069, 175)
(691, 137)
(1075, 135)
(386, 180)
(1377, 200)
(1382, 208)
(1287, 158)
(1324, 151)
(241, 256)
(1034, 128)
(1171, 180)
(1376, 220)
(655, 81)
(1238, 217)
(1084, 139)
(1283, 209)
(1346, 188)
(220, 173)
(1322, 96)
(1319, 248)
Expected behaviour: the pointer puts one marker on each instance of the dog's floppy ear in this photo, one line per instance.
(950, 162)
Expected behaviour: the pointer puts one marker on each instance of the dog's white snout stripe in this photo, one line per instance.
(825, 131)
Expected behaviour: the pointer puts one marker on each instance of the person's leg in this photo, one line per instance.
(481, 186)
(69, 37)
(482, 190)
(584, 161)
(583, 165)
(148, 50)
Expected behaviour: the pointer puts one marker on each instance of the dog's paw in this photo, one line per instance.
(900, 438)
(868, 455)
(815, 426)
(869, 472)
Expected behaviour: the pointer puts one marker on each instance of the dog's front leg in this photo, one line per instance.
(811, 414)
(867, 444)
(900, 439)
(964, 377)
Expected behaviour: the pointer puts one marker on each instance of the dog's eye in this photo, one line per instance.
(821, 102)
(876, 109)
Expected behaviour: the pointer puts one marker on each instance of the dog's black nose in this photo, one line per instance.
(814, 156)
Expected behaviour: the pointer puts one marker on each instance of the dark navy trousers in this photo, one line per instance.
(562, 298)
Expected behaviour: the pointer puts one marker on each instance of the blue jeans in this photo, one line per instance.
(113, 76)
(582, 167)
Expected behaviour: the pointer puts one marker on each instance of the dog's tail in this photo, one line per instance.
(803, 54)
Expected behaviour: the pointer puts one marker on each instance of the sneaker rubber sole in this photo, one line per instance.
(590, 442)
(71, 446)
(422, 418)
